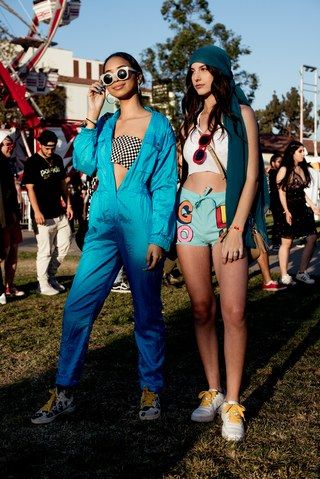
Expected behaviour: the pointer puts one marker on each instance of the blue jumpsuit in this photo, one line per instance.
(122, 224)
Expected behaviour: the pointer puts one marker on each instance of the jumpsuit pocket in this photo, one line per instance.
(99, 208)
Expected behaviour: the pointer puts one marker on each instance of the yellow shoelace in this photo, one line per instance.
(48, 406)
(235, 412)
(207, 397)
(148, 398)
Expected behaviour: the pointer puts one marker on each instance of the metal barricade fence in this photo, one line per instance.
(25, 211)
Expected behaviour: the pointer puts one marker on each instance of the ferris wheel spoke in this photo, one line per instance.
(53, 26)
(34, 22)
(16, 14)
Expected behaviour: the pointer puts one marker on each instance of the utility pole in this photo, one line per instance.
(314, 90)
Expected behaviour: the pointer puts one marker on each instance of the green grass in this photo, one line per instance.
(104, 438)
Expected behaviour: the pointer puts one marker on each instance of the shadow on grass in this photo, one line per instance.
(265, 391)
(104, 438)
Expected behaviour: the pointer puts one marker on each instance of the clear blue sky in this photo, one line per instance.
(282, 34)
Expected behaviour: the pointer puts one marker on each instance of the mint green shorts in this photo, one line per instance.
(200, 218)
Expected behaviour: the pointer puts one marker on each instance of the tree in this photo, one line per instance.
(53, 105)
(8, 50)
(8, 113)
(193, 27)
(271, 117)
(283, 117)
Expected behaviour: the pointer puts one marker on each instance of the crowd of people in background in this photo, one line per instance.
(123, 201)
(80, 188)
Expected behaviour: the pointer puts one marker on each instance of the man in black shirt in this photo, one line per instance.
(44, 177)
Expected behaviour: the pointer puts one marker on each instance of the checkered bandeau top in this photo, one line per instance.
(125, 150)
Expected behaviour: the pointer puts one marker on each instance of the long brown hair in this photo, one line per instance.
(288, 162)
(192, 103)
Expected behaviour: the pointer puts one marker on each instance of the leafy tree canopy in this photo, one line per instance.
(193, 25)
(9, 114)
(53, 105)
(282, 117)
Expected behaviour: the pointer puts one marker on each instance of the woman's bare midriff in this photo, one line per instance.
(119, 173)
(197, 182)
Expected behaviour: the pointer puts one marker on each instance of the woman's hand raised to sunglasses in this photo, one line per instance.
(96, 98)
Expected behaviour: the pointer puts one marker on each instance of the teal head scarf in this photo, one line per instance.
(237, 146)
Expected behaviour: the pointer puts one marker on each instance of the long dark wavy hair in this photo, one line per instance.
(288, 162)
(192, 103)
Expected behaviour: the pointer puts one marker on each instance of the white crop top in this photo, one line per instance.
(220, 146)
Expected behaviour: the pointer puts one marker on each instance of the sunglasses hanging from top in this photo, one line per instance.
(200, 154)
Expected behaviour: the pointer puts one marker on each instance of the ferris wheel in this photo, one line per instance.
(19, 76)
(20, 79)
(42, 24)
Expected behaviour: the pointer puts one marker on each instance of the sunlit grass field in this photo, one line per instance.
(105, 439)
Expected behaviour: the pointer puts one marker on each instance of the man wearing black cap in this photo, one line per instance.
(44, 177)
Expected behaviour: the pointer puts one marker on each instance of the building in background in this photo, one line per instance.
(75, 75)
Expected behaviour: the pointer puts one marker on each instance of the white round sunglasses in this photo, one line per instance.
(122, 73)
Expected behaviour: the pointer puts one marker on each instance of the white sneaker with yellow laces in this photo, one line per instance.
(232, 415)
(210, 403)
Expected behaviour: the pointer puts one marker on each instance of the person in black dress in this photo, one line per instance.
(275, 205)
(297, 219)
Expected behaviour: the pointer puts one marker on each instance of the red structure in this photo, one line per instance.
(14, 75)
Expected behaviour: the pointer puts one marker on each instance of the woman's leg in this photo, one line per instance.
(307, 252)
(98, 267)
(10, 265)
(283, 255)
(233, 281)
(149, 327)
(263, 262)
(195, 262)
(2, 288)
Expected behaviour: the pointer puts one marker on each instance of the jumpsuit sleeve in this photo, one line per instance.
(163, 187)
(85, 151)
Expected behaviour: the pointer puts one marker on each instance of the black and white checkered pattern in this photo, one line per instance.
(125, 150)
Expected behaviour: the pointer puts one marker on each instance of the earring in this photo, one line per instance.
(139, 89)
(111, 99)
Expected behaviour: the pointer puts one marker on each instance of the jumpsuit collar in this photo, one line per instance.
(108, 133)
